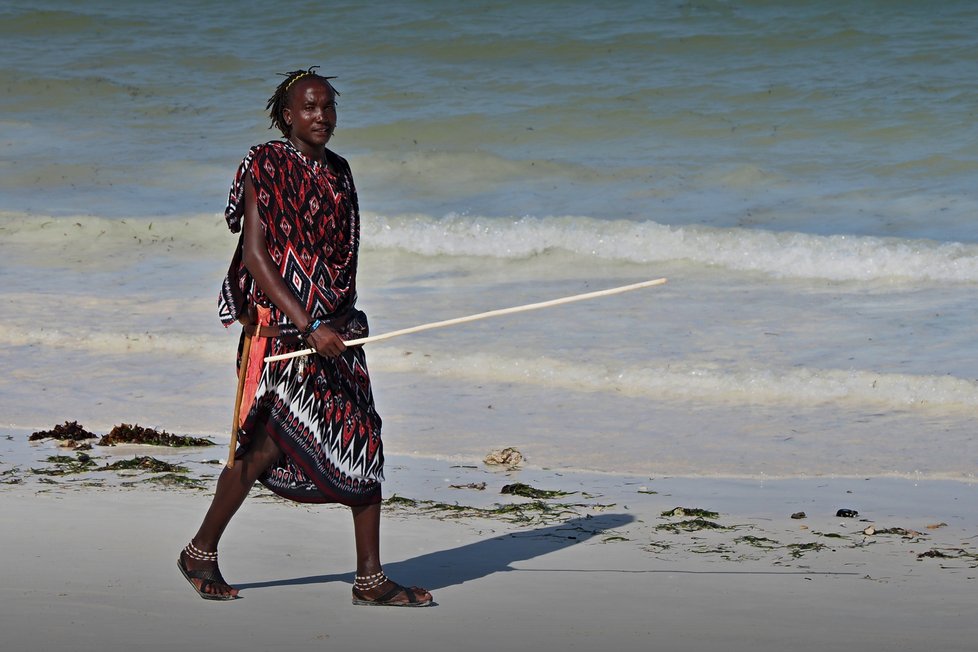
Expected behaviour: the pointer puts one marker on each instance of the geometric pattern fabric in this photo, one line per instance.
(319, 411)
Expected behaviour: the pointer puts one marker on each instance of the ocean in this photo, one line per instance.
(803, 173)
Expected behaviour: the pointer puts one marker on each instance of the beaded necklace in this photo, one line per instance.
(315, 165)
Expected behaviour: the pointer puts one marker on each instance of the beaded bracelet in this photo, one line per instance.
(313, 325)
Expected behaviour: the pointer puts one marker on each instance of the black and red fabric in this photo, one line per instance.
(319, 411)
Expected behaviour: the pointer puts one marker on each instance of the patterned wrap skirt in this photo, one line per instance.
(320, 412)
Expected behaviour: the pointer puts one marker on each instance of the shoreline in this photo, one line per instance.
(16, 450)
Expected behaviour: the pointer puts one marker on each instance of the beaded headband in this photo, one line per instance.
(297, 78)
(311, 71)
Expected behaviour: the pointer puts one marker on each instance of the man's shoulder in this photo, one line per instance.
(275, 147)
(336, 161)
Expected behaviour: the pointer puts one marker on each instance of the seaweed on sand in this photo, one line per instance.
(658, 546)
(478, 486)
(679, 512)
(136, 434)
(796, 550)
(9, 476)
(400, 501)
(171, 480)
(66, 465)
(948, 553)
(899, 531)
(715, 549)
(691, 525)
(525, 490)
(145, 463)
(535, 511)
(68, 430)
(758, 542)
(829, 535)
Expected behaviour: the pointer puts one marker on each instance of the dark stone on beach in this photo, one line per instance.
(847, 513)
(799, 515)
(136, 434)
(68, 430)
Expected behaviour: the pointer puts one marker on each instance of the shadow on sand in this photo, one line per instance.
(443, 568)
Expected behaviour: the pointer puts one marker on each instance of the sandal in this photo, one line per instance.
(367, 582)
(208, 577)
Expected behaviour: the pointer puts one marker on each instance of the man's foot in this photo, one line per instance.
(378, 590)
(200, 569)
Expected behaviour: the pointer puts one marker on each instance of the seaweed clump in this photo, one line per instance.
(948, 553)
(525, 490)
(136, 434)
(680, 512)
(691, 525)
(66, 465)
(69, 430)
(150, 464)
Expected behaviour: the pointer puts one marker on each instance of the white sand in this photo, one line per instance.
(94, 569)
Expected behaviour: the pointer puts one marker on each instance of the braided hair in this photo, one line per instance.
(280, 98)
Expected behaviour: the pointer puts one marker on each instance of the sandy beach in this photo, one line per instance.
(91, 562)
(802, 173)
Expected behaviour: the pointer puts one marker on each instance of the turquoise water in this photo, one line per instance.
(803, 174)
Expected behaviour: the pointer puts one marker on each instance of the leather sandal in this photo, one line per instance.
(363, 584)
(208, 577)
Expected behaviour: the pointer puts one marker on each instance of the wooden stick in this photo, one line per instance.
(481, 315)
(242, 374)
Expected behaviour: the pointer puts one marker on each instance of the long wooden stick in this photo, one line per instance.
(242, 373)
(481, 315)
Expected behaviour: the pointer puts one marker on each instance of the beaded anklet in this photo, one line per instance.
(200, 555)
(367, 582)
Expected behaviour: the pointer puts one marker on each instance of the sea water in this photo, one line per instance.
(803, 173)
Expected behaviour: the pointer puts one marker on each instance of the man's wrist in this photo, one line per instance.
(311, 327)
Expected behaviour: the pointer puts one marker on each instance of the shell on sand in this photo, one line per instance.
(505, 457)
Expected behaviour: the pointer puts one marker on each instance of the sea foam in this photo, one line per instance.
(711, 383)
(780, 254)
(789, 255)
